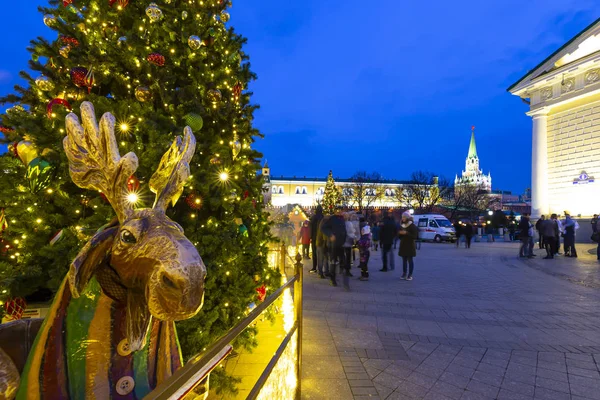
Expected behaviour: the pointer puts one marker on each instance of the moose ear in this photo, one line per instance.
(93, 254)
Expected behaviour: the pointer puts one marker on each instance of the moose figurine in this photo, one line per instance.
(110, 332)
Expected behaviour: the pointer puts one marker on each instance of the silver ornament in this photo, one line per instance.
(44, 84)
(153, 12)
(49, 19)
(237, 147)
(184, 15)
(225, 16)
(194, 42)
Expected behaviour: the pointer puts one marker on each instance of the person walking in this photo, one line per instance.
(458, 229)
(547, 230)
(594, 222)
(408, 234)
(468, 233)
(557, 231)
(334, 230)
(375, 236)
(386, 235)
(538, 228)
(322, 252)
(364, 246)
(351, 237)
(304, 239)
(570, 226)
(524, 235)
(315, 220)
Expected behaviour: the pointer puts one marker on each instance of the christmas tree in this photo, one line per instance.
(157, 67)
(331, 197)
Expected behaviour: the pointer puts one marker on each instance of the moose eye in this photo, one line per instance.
(127, 237)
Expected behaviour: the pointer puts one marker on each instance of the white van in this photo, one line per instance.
(435, 227)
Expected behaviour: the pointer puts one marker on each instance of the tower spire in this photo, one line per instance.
(472, 146)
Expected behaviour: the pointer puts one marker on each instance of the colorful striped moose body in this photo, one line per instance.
(110, 332)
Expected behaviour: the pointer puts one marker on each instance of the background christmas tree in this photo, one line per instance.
(157, 67)
(331, 197)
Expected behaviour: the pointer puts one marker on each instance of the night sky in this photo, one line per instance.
(389, 86)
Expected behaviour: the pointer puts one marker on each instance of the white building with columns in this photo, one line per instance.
(563, 93)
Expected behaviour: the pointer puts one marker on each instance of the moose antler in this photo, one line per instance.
(173, 170)
(94, 160)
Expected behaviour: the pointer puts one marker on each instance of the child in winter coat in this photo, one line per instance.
(364, 246)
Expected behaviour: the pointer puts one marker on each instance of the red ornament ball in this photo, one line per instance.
(78, 76)
(121, 3)
(15, 308)
(194, 201)
(133, 183)
(5, 129)
(156, 59)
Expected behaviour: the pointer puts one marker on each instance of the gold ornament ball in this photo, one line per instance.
(194, 42)
(214, 95)
(184, 15)
(44, 84)
(153, 12)
(142, 93)
(224, 16)
(49, 19)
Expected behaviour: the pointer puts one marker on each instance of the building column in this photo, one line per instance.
(539, 166)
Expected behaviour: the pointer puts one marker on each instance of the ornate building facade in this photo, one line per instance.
(472, 175)
(308, 192)
(563, 93)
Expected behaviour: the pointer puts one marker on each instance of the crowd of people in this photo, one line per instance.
(335, 240)
(550, 231)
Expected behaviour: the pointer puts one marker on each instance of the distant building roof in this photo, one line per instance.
(342, 180)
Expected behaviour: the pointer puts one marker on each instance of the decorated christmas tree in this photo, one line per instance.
(331, 197)
(157, 67)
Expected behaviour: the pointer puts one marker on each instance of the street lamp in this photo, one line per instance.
(490, 213)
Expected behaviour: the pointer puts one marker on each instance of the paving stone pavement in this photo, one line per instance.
(473, 324)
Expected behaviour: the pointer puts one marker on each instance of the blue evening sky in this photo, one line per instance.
(390, 85)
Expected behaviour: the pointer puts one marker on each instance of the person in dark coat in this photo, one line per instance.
(524, 236)
(547, 229)
(322, 252)
(315, 220)
(408, 233)
(334, 230)
(458, 229)
(468, 232)
(387, 234)
(538, 228)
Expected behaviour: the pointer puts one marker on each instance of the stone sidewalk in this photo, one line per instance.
(473, 324)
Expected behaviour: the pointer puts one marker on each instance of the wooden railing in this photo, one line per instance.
(197, 370)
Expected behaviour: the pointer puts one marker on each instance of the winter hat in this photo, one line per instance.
(366, 230)
(407, 215)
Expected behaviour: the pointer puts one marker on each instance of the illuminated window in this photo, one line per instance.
(280, 190)
(297, 189)
(320, 191)
(274, 189)
(304, 190)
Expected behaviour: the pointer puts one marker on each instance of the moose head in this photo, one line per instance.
(144, 258)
